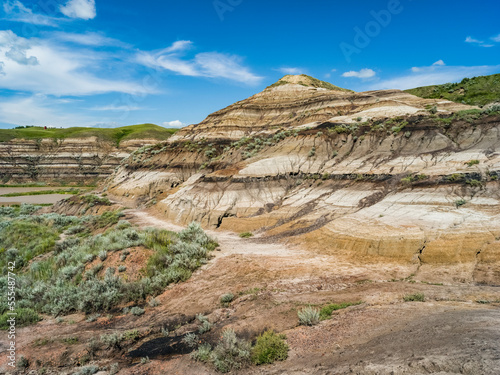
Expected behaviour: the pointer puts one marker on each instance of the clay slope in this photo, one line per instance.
(384, 181)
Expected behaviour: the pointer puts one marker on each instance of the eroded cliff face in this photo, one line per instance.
(416, 188)
(63, 160)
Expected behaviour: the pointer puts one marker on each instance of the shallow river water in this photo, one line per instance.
(32, 199)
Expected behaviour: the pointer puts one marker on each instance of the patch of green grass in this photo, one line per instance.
(70, 340)
(43, 192)
(107, 219)
(253, 291)
(470, 163)
(92, 200)
(455, 177)
(131, 335)
(326, 311)
(41, 184)
(269, 347)
(416, 297)
(474, 183)
(24, 317)
(413, 178)
(115, 135)
(246, 234)
(473, 91)
(22, 240)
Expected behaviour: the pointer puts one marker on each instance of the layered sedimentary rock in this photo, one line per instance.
(391, 177)
(296, 101)
(65, 160)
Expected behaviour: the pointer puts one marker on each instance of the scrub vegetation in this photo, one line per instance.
(54, 275)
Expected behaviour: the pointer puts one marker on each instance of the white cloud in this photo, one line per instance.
(173, 124)
(480, 43)
(179, 46)
(37, 110)
(168, 62)
(472, 40)
(16, 11)
(496, 38)
(363, 73)
(433, 75)
(214, 64)
(289, 70)
(15, 48)
(328, 75)
(84, 9)
(417, 69)
(87, 39)
(60, 71)
(206, 64)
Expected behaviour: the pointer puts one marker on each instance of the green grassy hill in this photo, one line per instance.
(116, 135)
(473, 91)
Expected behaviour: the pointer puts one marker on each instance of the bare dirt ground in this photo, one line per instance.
(455, 331)
(450, 333)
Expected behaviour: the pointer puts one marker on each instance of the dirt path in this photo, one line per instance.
(230, 243)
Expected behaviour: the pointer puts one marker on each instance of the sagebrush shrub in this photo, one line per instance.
(190, 340)
(112, 341)
(202, 354)
(308, 316)
(137, 311)
(59, 285)
(226, 299)
(231, 353)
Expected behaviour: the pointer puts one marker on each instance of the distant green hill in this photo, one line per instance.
(143, 131)
(474, 91)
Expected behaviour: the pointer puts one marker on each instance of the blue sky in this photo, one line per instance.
(112, 63)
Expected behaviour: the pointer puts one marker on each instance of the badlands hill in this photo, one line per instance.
(378, 175)
(379, 209)
(301, 100)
